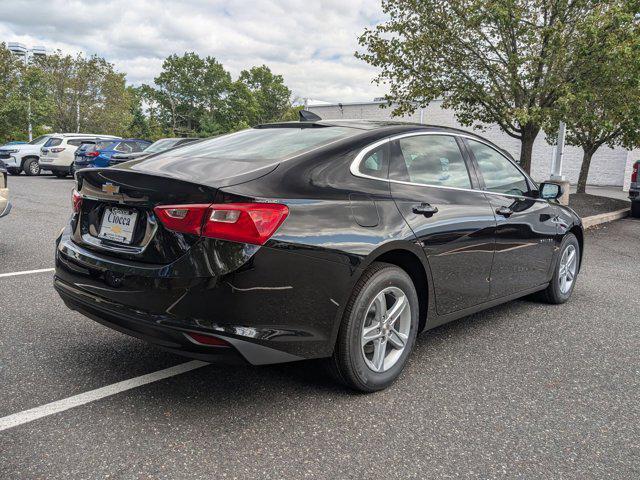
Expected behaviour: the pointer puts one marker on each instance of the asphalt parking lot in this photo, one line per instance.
(524, 390)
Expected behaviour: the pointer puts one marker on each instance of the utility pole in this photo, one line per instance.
(78, 116)
(556, 165)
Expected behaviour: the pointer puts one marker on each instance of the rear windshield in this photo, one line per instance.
(40, 140)
(266, 144)
(161, 145)
(53, 142)
(105, 145)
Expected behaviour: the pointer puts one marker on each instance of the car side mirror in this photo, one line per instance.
(550, 191)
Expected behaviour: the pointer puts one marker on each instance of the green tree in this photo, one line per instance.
(22, 89)
(492, 61)
(188, 89)
(601, 106)
(273, 97)
(144, 123)
(85, 93)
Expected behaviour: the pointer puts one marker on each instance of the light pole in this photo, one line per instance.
(26, 54)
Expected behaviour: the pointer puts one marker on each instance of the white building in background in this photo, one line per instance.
(610, 167)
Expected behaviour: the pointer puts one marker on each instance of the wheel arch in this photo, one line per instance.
(27, 158)
(579, 234)
(410, 262)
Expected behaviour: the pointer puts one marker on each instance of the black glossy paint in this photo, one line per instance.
(284, 301)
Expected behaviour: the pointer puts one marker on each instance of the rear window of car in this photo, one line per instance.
(53, 142)
(106, 145)
(161, 145)
(266, 144)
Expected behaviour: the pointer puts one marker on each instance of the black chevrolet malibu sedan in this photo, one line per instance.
(291, 241)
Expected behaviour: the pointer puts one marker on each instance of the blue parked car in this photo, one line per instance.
(98, 155)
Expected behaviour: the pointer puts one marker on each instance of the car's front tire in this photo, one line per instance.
(378, 329)
(635, 209)
(566, 271)
(14, 171)
(31, 167)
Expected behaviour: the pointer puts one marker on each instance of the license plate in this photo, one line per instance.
(118, 225)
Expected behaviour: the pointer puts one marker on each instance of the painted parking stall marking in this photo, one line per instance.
(25, 272)
(32, 414)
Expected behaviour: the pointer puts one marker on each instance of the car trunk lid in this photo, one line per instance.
(116, 214)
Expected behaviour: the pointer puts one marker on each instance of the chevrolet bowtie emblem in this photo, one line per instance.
(110, 188)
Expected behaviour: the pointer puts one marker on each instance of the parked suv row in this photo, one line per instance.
(57, 155)
(99, 154)
(64, 153)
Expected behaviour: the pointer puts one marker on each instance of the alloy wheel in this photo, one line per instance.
(568, 268)
(385, 329)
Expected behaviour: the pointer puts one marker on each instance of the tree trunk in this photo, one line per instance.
(529, 134)
(584, 168)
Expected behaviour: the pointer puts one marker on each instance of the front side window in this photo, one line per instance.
(432, 160)
(500, 175)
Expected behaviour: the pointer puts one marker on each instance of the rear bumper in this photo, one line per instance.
(634, 191)
(48, 167)
(277, 307)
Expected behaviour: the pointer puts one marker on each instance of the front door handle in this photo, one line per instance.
(504, 211)
(425, 209)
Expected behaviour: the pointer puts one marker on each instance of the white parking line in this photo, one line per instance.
(26, 272)
(65, 404)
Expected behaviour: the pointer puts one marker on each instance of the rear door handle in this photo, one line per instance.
(425, 209)
(504, 211)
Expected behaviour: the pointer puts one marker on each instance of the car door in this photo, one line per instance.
(437, 194)
(525, 224)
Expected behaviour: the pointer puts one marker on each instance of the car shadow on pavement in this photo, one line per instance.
(304, 377)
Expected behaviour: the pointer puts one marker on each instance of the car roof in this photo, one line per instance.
(386, 127)
(83, 135)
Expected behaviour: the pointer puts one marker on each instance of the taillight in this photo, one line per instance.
(182, 218)
(76, 201)
(244, 222)
(57, 150)
(251, 223)
(634, 173)
(92, 154)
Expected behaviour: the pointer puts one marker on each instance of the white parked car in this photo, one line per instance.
(23, 157)
(57, 153)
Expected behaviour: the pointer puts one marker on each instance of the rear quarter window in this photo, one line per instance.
(53, 142)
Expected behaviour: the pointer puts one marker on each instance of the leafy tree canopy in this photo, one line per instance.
(492, 61)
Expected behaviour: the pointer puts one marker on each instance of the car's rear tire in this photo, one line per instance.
(378, 329)
(635, 209)
(565, 273)
(61, 174)
(31, 167)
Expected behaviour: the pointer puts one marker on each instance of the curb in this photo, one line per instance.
(593, 220)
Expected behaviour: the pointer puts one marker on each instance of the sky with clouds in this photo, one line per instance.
(310, 42)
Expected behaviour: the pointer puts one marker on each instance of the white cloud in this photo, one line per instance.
(310, 43)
